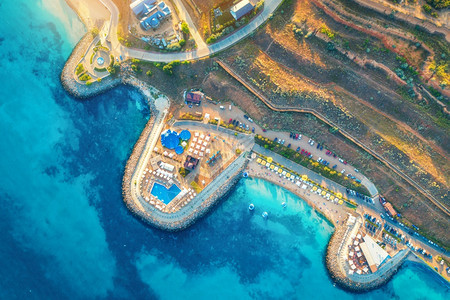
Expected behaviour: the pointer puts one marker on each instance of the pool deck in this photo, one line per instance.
(140, 157)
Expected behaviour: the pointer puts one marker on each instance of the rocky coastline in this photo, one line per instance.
(81, 90)
(146, 217)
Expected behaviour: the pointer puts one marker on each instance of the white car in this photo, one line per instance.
(343, 171)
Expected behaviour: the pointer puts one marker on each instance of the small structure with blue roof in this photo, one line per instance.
(170, 139)
(185, 135)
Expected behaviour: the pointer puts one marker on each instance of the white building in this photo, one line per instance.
(241, 9)
(375, 255)
(167, 167)
(141, 7)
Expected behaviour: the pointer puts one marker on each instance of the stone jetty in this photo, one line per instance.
(334, 261)
(73, 87)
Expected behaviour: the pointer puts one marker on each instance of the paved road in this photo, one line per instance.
(118, 49)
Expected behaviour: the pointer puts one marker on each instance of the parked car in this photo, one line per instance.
(343, 171)
(318, 146)
(334, 167)
(229, 121)
(275, 139)
(289, 146)
(298, 149)
(253, 129)
(264, 130)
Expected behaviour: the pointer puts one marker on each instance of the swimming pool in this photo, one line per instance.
(164, 194)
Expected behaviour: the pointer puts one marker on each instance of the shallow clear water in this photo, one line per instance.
(65, 231)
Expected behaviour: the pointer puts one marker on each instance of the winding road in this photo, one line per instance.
(203, 50)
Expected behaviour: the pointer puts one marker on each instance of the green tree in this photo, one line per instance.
(95, 32)
(185, 27)
(168, 69)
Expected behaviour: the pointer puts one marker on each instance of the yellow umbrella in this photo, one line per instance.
(280, 171)
(288, 175)
(272, 167)
(270, 159)
(258, 160)
(331, 197)
(324, 193)
(341, 202)
(314, 188)
(305, 177)
(339, 195)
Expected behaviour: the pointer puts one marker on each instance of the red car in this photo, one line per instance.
(229, 121)
(264, 130)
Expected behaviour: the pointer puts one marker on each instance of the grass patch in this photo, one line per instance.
(79, 69)
(196, 187)
(100, 69)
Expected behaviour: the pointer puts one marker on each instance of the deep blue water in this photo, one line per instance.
(164, 194)
(65, 232)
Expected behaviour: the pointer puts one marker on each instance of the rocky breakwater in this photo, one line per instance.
(163, 220)
(335, 261)
(71, 85)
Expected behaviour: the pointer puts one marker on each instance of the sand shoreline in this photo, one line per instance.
(335, 214)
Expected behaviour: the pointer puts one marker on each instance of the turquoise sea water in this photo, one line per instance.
(65, 231)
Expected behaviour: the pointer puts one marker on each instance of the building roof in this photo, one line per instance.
(167, 166)
(374, 254)
(154, 15)
(241, 9)
(196, 96)
(140, 6)
(191, 162)
(390, 209)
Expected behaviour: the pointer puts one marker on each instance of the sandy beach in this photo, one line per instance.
(335, 213)
(92, 13)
